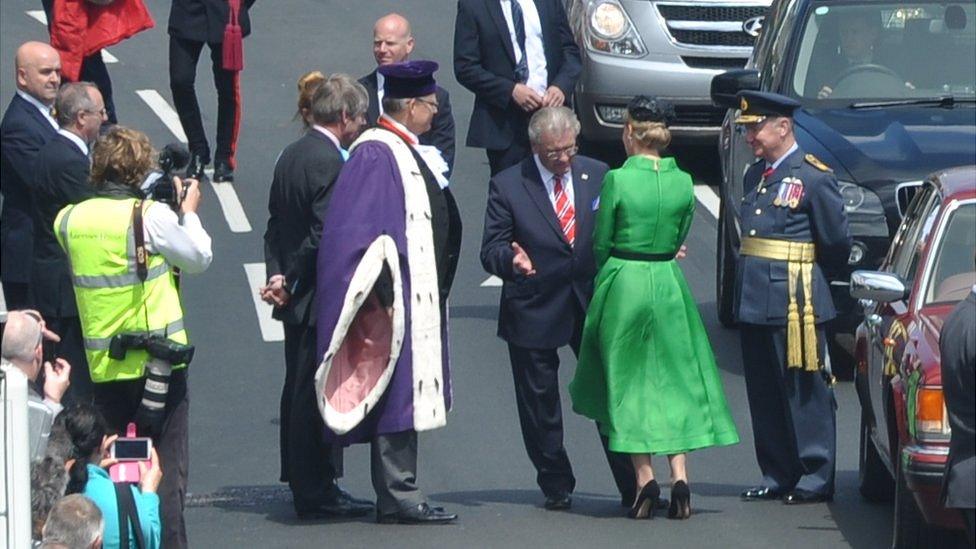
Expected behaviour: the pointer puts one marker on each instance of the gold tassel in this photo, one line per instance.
(794, 353)
(809, 321)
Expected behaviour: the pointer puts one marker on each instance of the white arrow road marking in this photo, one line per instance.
(707, 197)
(231, 205)
(165, 113)
(271, 329)
(492, 282)
(41, 18)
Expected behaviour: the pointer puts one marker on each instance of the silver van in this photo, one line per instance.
(670, 49)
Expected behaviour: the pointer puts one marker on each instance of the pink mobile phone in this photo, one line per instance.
(130, 451)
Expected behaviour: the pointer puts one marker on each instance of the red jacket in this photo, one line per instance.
(80, 28)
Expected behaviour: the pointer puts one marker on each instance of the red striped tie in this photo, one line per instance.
(564, 210)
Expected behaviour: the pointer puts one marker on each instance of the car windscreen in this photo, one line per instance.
(857, 52)
(954, 272)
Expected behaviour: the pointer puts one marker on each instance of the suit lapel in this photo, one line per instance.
(32, 111)
(495, 11)
(581, 199)
(370, 82)
(537, 192)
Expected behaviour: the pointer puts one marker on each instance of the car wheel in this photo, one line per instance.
(874, 480)
(910, 529)
(724, 273)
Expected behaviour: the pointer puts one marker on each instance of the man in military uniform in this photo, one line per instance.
(794, 228)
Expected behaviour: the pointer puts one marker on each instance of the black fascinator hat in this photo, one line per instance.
(648, 109)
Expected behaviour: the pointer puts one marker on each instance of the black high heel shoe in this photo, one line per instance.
(680, 501)
(646, 501)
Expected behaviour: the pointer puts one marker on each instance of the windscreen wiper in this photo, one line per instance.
(943, 101)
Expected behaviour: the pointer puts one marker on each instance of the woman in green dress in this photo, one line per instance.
(646, 371)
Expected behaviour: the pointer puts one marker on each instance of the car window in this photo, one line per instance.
(907, 245)
(779, 44)
(764, 43)
(954, 271)
(872, 51)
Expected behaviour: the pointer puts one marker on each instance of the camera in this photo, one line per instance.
(174, 161)
(157, 347)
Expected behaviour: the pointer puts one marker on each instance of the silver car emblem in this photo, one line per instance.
(753, 25)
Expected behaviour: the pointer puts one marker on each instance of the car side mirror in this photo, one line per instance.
(727, 85)
(878, 286)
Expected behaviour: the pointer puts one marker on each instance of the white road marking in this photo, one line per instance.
(165, 113)
(41, 18)
(231, 205)
(492, 282)
(707, 197)
(271, 329)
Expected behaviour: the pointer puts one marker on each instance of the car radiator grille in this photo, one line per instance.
(697, 115)
(719, 63)
(710, 13)
(709, 26)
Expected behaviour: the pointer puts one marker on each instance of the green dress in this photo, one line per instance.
(646, 372)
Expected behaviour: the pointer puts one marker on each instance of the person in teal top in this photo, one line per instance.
(646, 372)
(85, 428)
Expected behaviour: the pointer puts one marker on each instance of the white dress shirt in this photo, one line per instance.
(784, 157)
(45, 109)
(380, 80)
(548, 179)
(536, 61)
(184, 244)
(79, 142)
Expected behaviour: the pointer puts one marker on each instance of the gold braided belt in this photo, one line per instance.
(800, 257)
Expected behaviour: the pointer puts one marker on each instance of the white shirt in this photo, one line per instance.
(45, 109)
(536, 61)
(185, 245)
(784, 157)
(380, 80)
(548, 179)
(76, 140)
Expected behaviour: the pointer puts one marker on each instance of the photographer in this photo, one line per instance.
(122, 249)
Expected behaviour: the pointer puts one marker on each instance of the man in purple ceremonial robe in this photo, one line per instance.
(387, 257)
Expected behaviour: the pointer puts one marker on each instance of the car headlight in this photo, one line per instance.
(931, 423)
(610, 30)
(865, 214)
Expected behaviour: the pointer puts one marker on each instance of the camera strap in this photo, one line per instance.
(142, 261)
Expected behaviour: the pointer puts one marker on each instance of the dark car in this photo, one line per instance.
(888, 95)
(904, 428)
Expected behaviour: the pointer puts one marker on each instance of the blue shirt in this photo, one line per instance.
(101, 490)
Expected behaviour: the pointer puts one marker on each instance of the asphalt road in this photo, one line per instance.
(475, 466)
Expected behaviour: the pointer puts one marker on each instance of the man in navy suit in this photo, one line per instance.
(539, 240)
(516, 56)
(27, 125)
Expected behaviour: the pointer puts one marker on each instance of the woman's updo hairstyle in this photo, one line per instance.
(649, 118)
(307, 84)
(85, 427)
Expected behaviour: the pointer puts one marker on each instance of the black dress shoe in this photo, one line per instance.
(761, 493)
(421, 514)
(800, 497)
(346, 496)
(337, 507)
(223, 173)
(559, 502)
(196, 165)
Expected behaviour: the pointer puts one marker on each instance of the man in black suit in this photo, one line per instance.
(516, 56)
(60, 178)
(193, 24)
(539, 240)
(958, 349)
(27, 125)
(303, 179)
(392, 43)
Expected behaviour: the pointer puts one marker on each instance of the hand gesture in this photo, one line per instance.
(521, 261)
(56, 379)
(825, 92)
(554, 97)
(275, 293)
(526, 98)
(107, 460)
(682, 252)
(189, 189)
(149, 477)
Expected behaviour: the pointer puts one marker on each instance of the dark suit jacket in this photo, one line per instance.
(441, 134)
(538, 311)
(761, 284)
(61, 178)
(958, 349)
(23, 132)
(484, 62)
(204, 20)
(299, 198)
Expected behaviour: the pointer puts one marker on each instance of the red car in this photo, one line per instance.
(904, 428)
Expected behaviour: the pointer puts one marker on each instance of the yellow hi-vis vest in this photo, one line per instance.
(98, 237)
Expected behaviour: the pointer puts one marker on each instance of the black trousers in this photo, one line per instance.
(393, 470)
(118, 402)
(72, 349)
(308, 463)
(793, 413)
(540, 414)
(17, 295)
(501, 159)
(183, 58)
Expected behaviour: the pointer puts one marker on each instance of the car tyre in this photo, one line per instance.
(910, 529)
(874, 480)
(724, 273)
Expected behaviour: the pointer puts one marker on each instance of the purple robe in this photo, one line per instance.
(368, 205)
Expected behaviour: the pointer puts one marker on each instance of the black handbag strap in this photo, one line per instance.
(127, 514)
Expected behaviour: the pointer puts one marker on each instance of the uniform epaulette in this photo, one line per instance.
(817, 163)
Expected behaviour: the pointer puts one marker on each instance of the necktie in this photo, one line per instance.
(767, 172)
(564, 210)
(522, 67)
